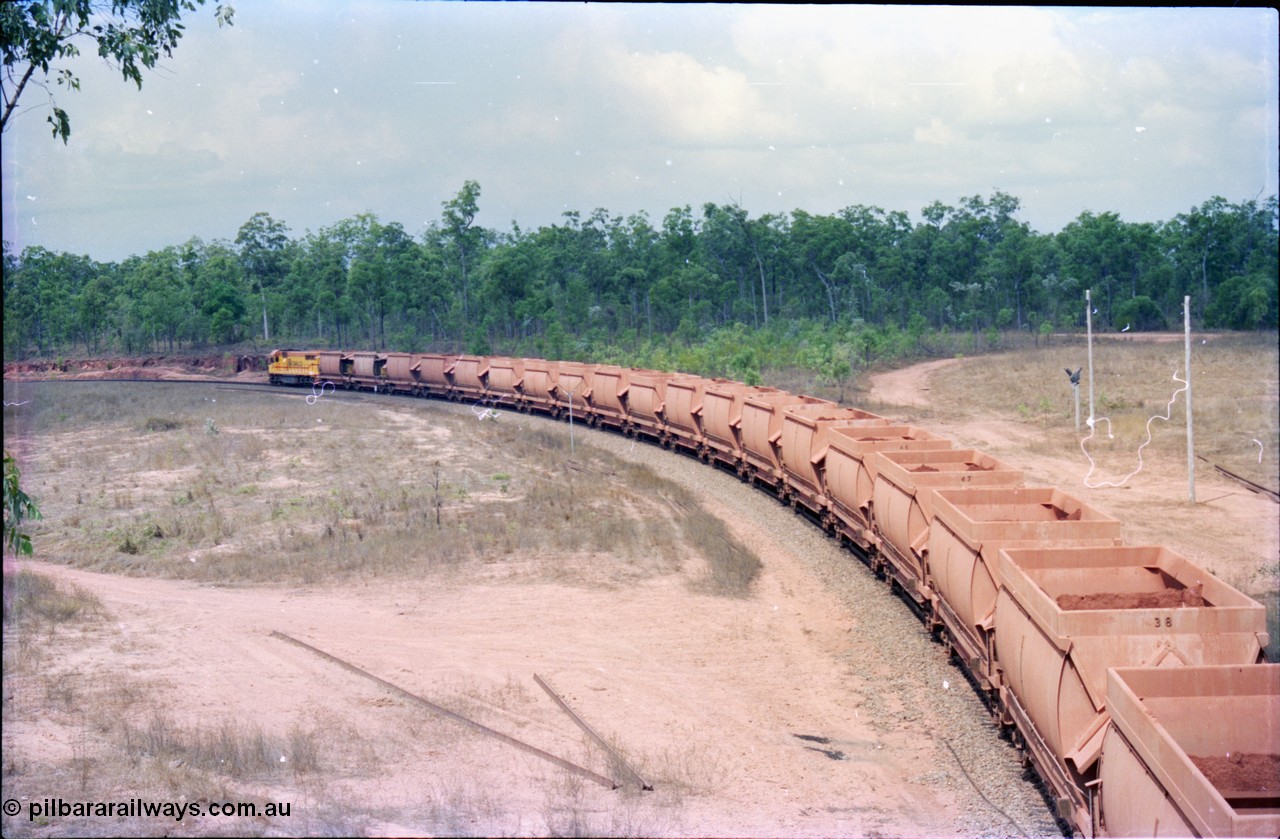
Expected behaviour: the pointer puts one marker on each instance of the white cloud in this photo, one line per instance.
(557, 106)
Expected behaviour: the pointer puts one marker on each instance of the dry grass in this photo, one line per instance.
(288, 492)
(1235, 396)
(112, 733)
(35, 599)
(131, 481)
(233, 750)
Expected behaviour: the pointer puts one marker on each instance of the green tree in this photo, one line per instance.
(1140, 314)
(1244, 303)
(35, 37)
(264, 246)
(17, 506)
(459, 219)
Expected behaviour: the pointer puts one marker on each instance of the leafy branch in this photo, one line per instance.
(131, 34)
(17, 506)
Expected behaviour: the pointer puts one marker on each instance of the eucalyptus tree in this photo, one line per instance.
(217, 288)
(1094, 252)
(731, 253)
(818, 242)
(42, 291)
(634, 256)
(466, 239)
(161, 296)
(264, 253)
(318, 273)
(876, 264)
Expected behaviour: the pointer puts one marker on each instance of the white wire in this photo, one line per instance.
(486, 413)
(315, 397)
(1092, 423)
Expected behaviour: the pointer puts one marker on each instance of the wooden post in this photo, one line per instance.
(1191, 443)
(1076, 390)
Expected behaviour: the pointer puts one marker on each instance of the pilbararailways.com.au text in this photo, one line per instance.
(135, 807)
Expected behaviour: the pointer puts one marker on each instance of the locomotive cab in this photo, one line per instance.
(288, 367)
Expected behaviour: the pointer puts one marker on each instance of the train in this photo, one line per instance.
(1133, 681)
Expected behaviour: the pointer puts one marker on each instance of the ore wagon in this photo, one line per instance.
(902, 503)
(851, 468)
(969, 528)
(1065, 615)
(761, 432)
(802, 448)
(1192, 751)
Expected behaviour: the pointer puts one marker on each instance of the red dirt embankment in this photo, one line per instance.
(136, 367)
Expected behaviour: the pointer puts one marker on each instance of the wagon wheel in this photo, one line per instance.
(1020, 743)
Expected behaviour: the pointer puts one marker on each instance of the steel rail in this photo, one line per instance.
(618, 761)
(1248, 484)
(607, 783)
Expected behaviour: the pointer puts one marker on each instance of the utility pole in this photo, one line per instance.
(1191, 443)
(1088, 320)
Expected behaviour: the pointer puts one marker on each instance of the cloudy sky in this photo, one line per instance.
(316, 110)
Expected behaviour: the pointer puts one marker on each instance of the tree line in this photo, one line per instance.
(606, 286)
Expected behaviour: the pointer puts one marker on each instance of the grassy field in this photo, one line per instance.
(239, 486)
(1236, 418)
(1235, 395)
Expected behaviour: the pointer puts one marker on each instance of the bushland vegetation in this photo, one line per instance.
(709, 290)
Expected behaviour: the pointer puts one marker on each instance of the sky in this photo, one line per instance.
(317, 110)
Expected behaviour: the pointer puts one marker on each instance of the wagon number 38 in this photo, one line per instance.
(1168, 621)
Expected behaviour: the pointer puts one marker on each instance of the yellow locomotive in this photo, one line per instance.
(290, 367)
